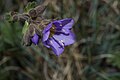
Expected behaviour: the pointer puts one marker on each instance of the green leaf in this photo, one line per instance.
(30, 6)
(25, 28)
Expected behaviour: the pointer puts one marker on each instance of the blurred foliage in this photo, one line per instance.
(29, 6)
(94, 56)
(115, 59)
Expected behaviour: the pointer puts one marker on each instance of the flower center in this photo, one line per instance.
(52, 30)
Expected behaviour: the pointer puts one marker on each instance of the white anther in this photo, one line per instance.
(60, 24)
(62, 42)
(51, 42)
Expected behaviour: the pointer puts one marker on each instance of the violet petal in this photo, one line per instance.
(56, 47)
(47, 28)
(46, 32)
(64, 23)
(45, 36)
(35, 39)
(66, 39)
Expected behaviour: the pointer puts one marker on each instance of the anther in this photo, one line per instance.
(61, 25)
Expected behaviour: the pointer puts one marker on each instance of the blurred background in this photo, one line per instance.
(94, 56)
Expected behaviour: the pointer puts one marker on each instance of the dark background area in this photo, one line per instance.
(94, 56)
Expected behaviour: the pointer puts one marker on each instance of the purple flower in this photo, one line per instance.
(35, 39)
(58, 34)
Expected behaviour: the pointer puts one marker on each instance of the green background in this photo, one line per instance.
(94, 56)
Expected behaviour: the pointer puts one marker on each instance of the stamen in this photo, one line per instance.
(52, 30)
(51, 42)
(63, 30)
(61, 25)
(62, 42)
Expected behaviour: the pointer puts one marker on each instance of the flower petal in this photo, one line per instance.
(56, 46)
(46, 32)
(63, 31)
(47, 28)
(45, 36)
(46, 44)
(66, 39)
(64, 23)
(35, 39)
(69, 25)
